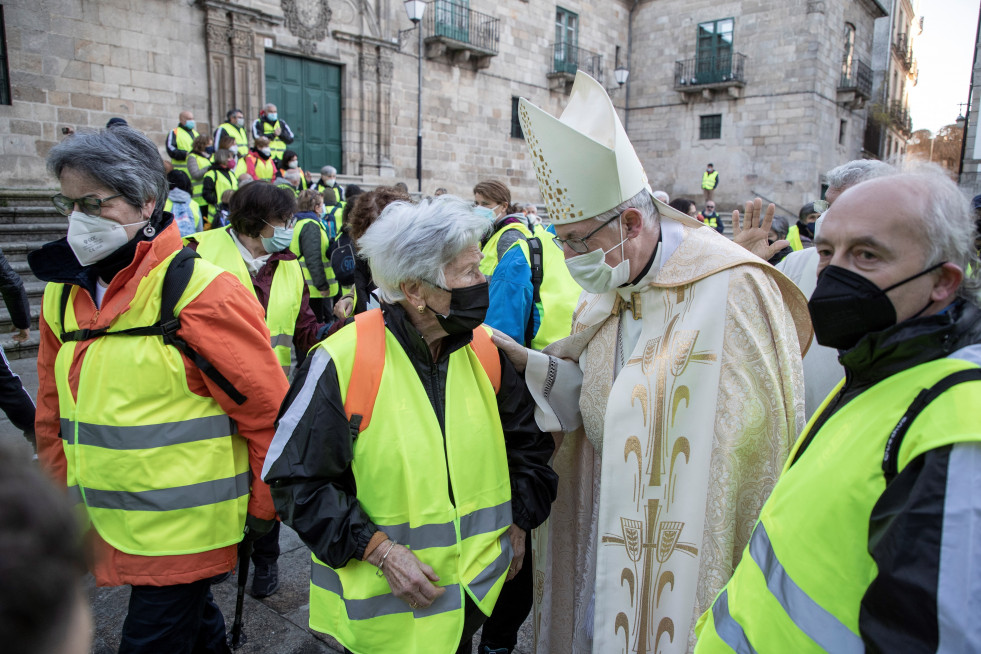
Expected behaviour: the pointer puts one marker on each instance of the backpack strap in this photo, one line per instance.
(176, 279)
(890, 459)
(369, 364)
(366, 374)
(487, 353)
(535, 257)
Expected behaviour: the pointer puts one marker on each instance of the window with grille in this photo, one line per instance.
(710, 127)
(4, 68)
(516, 132)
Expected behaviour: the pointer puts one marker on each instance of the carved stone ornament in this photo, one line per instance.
(307, 19)
(308, 47)
(815, 6)
(243, 43)
(385, 70)
(368, 63)
(217, 37)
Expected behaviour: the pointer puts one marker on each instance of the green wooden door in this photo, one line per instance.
(713, 58)
(452, 19)
(308, 96)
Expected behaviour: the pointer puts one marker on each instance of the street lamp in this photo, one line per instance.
(414, 9)
(620, 74)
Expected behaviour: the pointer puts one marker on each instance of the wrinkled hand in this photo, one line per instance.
(21, 335)
(514, 350)
(411, 580)
(344, 308)
(752, 232)
(517, 536)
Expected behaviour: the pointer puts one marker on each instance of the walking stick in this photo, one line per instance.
(244, 554)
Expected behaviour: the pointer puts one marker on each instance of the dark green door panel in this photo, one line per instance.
(308, 96)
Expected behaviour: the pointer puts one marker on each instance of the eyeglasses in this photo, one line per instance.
(578, 245)
(93, 206)
(289, 223)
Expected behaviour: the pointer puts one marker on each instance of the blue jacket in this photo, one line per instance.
(511, 296)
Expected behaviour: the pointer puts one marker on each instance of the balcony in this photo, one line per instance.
(706, 76)
(455, 33)
(872, 144)
(855, 85)
(894, 115)
(903, 49)
(566, 60)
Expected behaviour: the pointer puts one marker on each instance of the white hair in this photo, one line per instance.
(416, 241)
(855, 172)
(662, 196)
(948, 224)
(642, 202)
(328, 170)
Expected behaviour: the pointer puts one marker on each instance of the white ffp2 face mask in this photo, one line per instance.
(591, 271)
(92, 238)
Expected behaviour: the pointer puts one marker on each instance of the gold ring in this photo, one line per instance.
(413, 605)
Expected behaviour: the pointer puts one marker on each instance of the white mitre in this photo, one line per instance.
(584, 161)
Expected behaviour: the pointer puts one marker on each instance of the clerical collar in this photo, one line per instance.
(643, 273)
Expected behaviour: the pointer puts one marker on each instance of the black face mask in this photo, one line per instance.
(468, 308)
(845, 306)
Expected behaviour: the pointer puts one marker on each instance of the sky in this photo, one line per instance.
(945, 53)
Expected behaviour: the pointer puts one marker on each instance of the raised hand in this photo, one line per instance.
(752, 232)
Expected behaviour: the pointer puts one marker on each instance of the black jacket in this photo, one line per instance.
(309, 462)
(913, 529)
(14, 295)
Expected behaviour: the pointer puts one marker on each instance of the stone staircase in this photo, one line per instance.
(28, 220)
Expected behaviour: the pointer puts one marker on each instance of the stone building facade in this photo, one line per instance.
(970, 167)
(773, 94)
(895, 71)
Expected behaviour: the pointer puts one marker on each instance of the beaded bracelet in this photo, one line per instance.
(380, 572)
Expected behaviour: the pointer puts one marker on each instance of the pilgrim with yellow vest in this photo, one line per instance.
(199, 162)
(532, 294)
(219, 179)
(234, 128)
(259, 163)
(710, 180)
(412, 496)
(180, 140)
(311, 245)
(269, 125)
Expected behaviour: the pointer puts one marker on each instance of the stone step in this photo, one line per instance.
(14, 350)
(21, 215)
(45, 232)
(17, 250)
(24, 270)
(19, 197)
(6, 325)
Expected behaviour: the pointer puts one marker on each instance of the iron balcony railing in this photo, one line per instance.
(720, 69)
(873, 139)
(900, 118)
(903, 49)
(446, 19)
(856, 76)
(568, 58)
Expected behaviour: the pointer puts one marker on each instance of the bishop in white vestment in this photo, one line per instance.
(679, 394)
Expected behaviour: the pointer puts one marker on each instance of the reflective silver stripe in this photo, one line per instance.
(809, 616)
(381, 605)
(728, 629)
(957, 588)
(481, 521)
(484, 581)
(419, 538)
(68, 430)
(139, 437)
(278, 340)
(171, 499)
(485, 521)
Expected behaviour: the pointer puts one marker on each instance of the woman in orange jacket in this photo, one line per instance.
(159, 433)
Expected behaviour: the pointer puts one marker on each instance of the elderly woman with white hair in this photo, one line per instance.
(407, 455)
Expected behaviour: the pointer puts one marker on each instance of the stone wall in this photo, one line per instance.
(77, 63)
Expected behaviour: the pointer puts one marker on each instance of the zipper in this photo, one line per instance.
(438, 406)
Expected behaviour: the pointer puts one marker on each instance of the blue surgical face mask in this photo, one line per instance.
(273, 116)
(279, 241)
(486, 212)
(189, 124)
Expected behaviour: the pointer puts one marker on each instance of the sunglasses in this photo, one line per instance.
(92, 206)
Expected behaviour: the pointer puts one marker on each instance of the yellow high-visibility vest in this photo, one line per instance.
(324, 244)
(159, 470)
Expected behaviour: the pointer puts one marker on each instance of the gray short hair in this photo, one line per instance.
(328, 170)
(948, 224)
(416, 241)
(854, 172)
(643, 202)
(121, 159)
(662, 196)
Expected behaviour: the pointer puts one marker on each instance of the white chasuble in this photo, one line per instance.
(693, 424)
